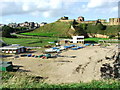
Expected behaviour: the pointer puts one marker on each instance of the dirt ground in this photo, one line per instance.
(84, 67)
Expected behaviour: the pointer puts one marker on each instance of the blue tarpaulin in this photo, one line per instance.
(86, 44)
(74, 48)
(79, 47)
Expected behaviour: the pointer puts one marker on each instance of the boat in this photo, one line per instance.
(51, 50)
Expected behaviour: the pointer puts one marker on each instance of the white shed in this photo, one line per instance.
(78, 39)
(14, 48)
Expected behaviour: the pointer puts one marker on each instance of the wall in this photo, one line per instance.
(98, 35)
(66, 20)
(114, 21)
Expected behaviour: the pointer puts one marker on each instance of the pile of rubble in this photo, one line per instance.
(111, 69)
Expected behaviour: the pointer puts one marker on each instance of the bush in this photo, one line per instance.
(6, 30)
(111, 36)
(100, 26)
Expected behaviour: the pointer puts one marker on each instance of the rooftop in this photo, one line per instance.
(13, 46)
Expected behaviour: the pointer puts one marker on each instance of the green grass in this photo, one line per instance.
(39, 34)
(22, 80)
(109, 30)
(29, 41)
(112, 30)
(95, 39)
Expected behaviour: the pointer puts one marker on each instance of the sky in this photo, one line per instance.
(19, 11)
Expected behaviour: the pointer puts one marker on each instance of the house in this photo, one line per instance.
(28, 24)
(13, 25)
(43, 23)
(31, 24)
(21, 25)
(37, 25)
(14, 48)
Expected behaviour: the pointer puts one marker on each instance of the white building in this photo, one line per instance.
(43, 23)
(78, 39)
(37, 25)
(13, 25)
(14, 48)
(75, 39)
(1, 25)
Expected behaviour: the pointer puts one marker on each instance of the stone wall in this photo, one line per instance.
(87, 21)
(101, 36)
(102, 20)
(114, 21)
(67, 20)
(98, 35)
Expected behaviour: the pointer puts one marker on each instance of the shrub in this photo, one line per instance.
(111, 36)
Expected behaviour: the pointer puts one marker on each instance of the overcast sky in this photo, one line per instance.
(51, 10)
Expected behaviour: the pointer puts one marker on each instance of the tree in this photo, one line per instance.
(111, 36)
(80, 31)
(83, 26)
(100, 26)
(6, 30)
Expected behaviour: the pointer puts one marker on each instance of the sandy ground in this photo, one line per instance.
(84, 67)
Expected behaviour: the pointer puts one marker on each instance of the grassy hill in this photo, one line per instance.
(63, 29)
(56, 29)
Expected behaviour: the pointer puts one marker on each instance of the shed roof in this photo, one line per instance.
(5, 65)
(13, 46)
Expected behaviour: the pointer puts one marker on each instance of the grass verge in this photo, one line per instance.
(34, 42)
(22, 80)
(95, 39)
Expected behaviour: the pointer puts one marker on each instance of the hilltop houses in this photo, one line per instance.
(25, 24)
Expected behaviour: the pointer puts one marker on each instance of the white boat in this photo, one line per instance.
(62, 48)
(52, 50)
